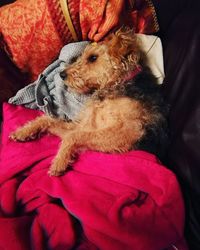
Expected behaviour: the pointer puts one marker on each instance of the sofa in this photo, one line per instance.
(179, 23)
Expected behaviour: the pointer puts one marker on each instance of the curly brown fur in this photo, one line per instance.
(104, 64)
(120, 114)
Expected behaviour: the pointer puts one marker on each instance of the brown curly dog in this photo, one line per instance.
(111, 120)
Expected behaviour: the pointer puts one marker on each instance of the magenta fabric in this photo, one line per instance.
(106, 201)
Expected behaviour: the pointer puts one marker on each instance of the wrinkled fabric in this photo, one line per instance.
(97, 18)
(49, 93)
(106, 201)
(33, 32)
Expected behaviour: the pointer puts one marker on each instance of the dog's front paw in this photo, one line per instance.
(59, 166)
(56, 170)
(22, 135)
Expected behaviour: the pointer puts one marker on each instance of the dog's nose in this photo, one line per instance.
(63, 75)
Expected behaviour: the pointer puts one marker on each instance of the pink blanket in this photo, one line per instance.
(107, 202)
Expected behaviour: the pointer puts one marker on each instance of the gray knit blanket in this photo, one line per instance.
(48, 93)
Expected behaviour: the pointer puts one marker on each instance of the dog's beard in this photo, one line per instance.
(84, 82)
(77, 85)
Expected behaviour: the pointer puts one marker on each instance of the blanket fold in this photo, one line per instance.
(106, 201)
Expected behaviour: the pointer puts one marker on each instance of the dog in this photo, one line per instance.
(126, 110)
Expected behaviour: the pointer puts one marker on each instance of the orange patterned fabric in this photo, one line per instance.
(59, 21)
(98, 17)
(142, 16)
(33, 32)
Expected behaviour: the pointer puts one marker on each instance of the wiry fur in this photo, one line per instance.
(117, 56)
(145, 89)
(121, 115)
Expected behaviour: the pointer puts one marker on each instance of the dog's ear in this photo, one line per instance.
(123, 45)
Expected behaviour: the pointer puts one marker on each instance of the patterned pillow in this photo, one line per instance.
(33, 32)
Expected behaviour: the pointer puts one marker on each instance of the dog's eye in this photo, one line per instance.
(92, 58)
(73, 59)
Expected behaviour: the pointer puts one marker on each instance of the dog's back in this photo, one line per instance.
(145, 89)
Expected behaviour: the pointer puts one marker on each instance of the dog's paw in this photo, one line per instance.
(59, 166)
(21, 135)
(56, 171)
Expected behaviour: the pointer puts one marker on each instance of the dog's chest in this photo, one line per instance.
(107, 113)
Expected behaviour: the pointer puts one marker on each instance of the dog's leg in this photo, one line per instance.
(104, 140)
(33, 128)
(63, 157)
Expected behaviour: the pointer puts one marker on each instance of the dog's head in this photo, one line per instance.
(104, 64)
